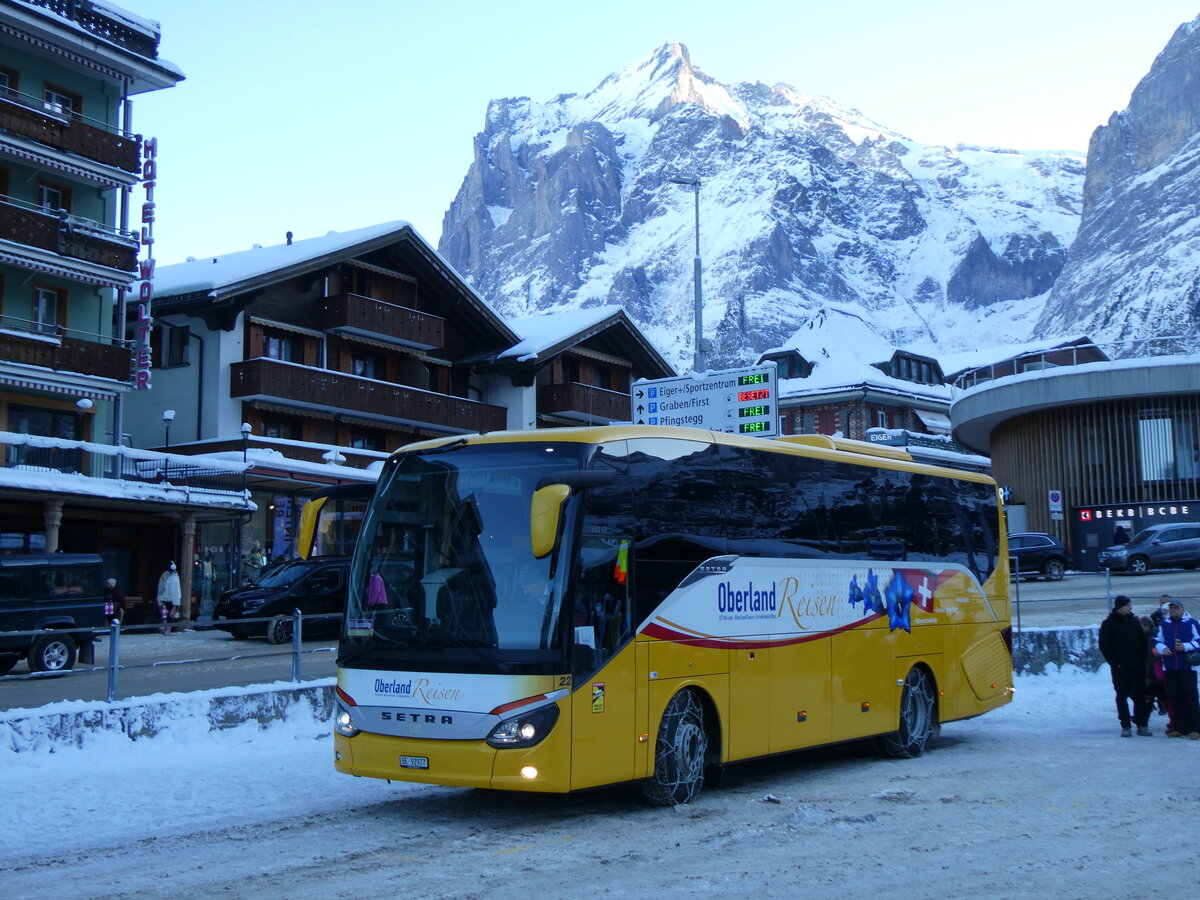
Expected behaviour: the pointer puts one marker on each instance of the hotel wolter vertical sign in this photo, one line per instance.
(142, 358)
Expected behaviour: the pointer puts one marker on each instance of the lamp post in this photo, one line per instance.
(246, 429)
(168, 417)
(701, 359)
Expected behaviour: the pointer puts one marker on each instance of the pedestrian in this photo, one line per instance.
(1161, 613)
(169, 595)
(1156, 690)
(1179, 635)
(114, 601)
(1123, 646)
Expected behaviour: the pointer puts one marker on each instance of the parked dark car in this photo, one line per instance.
(1174, 545)
(51, 593)
(317, 587)
(1039, 554)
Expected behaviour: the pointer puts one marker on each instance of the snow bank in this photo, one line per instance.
(76, 723)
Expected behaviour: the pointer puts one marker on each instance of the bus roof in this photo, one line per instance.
(814, 445)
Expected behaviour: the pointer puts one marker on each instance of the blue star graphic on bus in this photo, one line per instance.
(872, 600)
(856, 594)
(899, 599)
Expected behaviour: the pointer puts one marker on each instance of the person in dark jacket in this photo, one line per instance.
(1179, 635)
(1156, 690)
(1123, 645)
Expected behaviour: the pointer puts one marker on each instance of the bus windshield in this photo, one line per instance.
(445, 563)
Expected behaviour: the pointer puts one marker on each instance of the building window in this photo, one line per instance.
(1156, 448)
(175, 345)
(368, 365)
(62, 102)
(8, 81)
(52, 197)
(279, 428)
(49, 309)
(364, 440)
(281, 348)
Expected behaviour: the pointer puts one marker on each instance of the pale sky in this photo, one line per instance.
(311, 116)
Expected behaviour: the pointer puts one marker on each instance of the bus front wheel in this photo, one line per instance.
(679, 753)
(917, 718)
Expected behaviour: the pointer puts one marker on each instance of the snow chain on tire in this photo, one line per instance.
(680, 753)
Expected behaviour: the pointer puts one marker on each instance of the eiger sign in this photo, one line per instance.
(736, 401)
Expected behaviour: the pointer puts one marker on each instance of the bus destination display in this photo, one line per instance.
(737, 401)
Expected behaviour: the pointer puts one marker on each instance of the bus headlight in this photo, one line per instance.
(342, 723)
(524, 730)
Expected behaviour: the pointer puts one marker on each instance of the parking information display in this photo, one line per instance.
(737, 401)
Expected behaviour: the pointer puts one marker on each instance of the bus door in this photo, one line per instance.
(602, 665)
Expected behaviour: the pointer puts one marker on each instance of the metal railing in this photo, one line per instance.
(113, 667)
(170, 473)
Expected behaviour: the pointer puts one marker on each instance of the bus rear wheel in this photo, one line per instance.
(917, 718)
(680, 753)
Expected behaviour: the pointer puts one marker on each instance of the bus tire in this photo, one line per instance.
(917, 718)
(680, 753)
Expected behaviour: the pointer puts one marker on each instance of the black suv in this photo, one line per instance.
(53, 594)
(1175, 545)
(317, 587)
(1039, 554)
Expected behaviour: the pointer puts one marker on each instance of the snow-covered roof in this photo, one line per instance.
(548, 334)
(843, 350)
(217, 274)
(550, 331)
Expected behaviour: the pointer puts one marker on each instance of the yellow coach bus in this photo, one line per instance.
(559, 610)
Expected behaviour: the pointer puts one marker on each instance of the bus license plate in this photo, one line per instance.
(414, 762)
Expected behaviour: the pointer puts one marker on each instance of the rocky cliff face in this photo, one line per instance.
(1133, 275)
(804, 207)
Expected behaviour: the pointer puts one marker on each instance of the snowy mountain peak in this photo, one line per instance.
(804, 203)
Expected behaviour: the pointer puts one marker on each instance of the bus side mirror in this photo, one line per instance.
(545, 517)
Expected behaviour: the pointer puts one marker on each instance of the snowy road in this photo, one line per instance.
(1040, 798)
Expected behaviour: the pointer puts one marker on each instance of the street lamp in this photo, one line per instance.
(701, 361)
(168, 418)
(245, 439)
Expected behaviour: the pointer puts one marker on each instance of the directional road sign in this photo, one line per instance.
(737, 401)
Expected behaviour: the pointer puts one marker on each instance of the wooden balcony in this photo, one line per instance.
(67, 354)
(47, 231)
(582, 403)
(386, 321)
(335, 392)
(20, 114)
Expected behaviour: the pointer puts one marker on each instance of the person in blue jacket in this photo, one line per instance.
(1178, 635)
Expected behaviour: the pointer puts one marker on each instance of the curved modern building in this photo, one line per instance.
(1089, 447)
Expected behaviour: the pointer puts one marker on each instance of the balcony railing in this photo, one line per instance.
(67, 235)
(583, 402)
(54, 350)
(101, 21)
(149, 475)
(326, 390)
(33, 118)
(351, 312)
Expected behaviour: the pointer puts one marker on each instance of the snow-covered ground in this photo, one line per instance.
(1039, 798)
